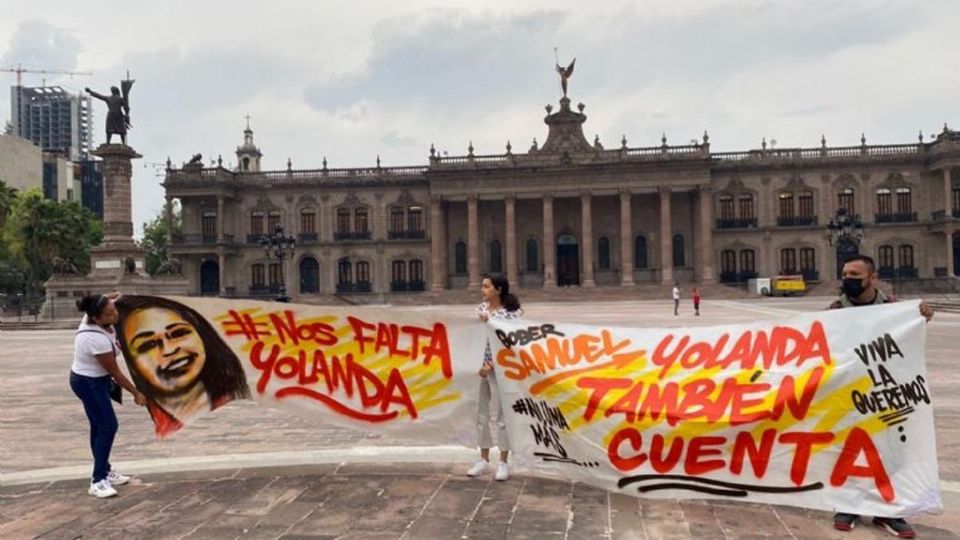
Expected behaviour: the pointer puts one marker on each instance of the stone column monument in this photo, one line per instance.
(117, 264)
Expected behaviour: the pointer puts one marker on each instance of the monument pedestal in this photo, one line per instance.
(117, 264)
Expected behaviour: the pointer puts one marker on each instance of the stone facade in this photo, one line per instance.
(570, 213)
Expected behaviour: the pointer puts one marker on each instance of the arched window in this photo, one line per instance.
(885, 257)
(805, 203)
(726, 208)
(246, 163)
(398, 272)
(904, 202)
(273, 221)
(258, 278)
(748, 262)
(416, 273)
(256, 224)
(884, 202)
(361, 224)
(845, 200)
(344, 272)
(603, 253)
(905, 256)
(786, 205)
(808, 259)
(496, 257)
(679, 254)
(745, 203)
(788, 261)
(728, 261)
(208, 225)
(309, 276)
(533, 256)
(460, 257)
(363, 272)
(308, 221)
(640, 252)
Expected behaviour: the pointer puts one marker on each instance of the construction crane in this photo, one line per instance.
(20, 70)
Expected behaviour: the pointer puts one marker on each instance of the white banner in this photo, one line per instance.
(828, 410)
(402, 373)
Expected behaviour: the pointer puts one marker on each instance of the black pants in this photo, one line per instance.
(94, 393)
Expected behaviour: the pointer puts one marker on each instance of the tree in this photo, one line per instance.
(154, 241)
(39, 229)
(7, 196)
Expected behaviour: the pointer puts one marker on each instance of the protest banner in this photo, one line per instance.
(827, 410)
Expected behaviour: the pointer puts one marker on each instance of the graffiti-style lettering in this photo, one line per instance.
(857, 443)
(340, 375)
(698, 399)
(527, 335)
(781, 346)
(404, 341)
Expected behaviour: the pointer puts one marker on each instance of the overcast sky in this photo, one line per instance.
(353, 79)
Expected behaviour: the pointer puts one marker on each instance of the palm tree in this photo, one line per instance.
(7, 197)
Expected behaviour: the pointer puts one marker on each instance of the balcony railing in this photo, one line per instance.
(304, 238)
(907, 272)
(796, 221)
(264, 290)
(810, 275)
(940, 215)
(254, 238)
(738, 223)
(402, 286)
(903, 272)
(900, 217)
(360, 287)
(200, 239)
(407, 235)
(736, 277)
(351, 235)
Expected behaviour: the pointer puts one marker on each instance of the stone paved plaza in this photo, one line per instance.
(246, 471)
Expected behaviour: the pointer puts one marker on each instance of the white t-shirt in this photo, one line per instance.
(88, 344)
(676, 293)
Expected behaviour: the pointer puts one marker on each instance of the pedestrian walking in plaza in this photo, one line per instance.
(497, 304)
(859, 288)
(696, 301)
(95, 378)
(676, 298)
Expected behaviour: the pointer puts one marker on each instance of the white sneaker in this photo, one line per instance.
(503, 472)
(102, 489)
(478, 468)
(117, 479)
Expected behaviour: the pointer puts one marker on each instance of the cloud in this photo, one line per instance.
(394, 138)
(40, 45)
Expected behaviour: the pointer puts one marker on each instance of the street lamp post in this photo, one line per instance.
(279, 247)
(844, 227)
(844, 232)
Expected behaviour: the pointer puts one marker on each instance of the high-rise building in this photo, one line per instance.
(53, 118)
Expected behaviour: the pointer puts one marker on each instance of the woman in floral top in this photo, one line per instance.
(498, 304)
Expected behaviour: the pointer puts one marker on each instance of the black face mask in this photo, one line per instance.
(852, 287)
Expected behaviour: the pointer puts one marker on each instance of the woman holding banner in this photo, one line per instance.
(497, 304)
(176, 356)
(94, 377)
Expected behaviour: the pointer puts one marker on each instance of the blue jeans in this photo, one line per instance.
(94, 393)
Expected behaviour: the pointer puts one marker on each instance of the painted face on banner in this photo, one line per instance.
(166, 350)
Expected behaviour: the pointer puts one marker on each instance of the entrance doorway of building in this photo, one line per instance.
(568, 260)
(956, 253)
(209, 278)
(846, 247)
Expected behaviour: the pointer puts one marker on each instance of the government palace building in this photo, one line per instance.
(569, 212)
